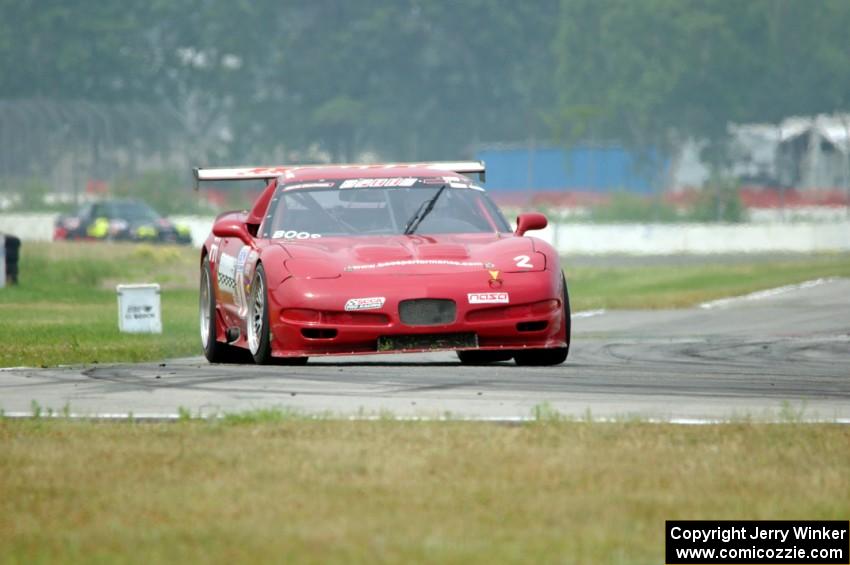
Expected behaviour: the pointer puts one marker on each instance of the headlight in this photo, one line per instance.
(311, 269)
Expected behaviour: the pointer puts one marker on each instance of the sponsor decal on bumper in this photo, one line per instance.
(488, 298)
(371, 303)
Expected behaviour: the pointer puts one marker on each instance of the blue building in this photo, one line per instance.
(557, 169)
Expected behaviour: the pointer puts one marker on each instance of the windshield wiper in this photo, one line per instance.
(423, 210)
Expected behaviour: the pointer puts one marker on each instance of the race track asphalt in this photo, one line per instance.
(775, 356)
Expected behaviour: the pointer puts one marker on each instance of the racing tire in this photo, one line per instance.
(258, 319)
(214, 350)
(474, 357)
(554, 355)
(259, 343)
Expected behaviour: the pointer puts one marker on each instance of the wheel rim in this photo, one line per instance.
(255, 315)
(204, 308)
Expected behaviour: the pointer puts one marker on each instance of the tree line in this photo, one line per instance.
(430, 79)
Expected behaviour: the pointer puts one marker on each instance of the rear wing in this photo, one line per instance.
(268, 173)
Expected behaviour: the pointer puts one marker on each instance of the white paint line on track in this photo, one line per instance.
(588, 313)
(117, 416)
(173, 417)
(762, 294)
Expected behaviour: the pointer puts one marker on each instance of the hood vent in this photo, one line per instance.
(443, 251)
(378, 253)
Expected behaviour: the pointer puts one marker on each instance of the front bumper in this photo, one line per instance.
(308, 317)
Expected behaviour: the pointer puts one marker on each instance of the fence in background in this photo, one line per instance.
(70, 144)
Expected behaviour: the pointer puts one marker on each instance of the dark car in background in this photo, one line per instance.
(119, 220)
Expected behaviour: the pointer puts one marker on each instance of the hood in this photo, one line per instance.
(412, 255)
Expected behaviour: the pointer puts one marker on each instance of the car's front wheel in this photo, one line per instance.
(259, 343)
(554, 355)
(258, 319)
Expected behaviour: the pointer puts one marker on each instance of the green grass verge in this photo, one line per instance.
(65, 310)
(291, 490)
(679, 286)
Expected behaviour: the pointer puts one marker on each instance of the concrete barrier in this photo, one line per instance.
(28, 226)
(666, 239)
(199, 226)
(581, 238)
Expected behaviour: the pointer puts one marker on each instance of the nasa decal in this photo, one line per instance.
(488, 298)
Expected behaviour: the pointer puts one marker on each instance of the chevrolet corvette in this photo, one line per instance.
(366, 259)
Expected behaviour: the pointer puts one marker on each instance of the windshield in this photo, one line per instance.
(357, 207)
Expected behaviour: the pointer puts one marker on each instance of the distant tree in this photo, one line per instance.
(650, 73)
(416, 79)
(98, 51)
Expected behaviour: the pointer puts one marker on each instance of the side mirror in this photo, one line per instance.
(227, 227)
(530, 221)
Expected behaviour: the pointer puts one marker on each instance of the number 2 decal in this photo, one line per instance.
(523, 262)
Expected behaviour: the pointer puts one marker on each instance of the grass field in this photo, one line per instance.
(679, 286)
(65, 310)
(282, 490)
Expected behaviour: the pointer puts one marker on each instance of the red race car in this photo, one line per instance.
(351, 259)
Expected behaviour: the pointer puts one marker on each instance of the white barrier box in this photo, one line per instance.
(139, 309)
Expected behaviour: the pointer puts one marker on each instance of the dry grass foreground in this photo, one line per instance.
(294, 490)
